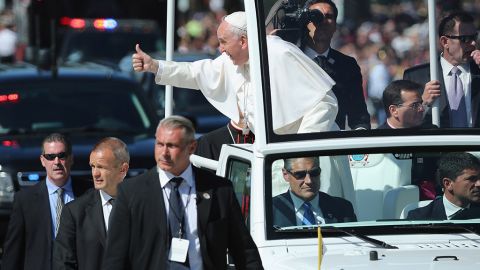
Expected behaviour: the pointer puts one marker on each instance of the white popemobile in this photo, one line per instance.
(382, 173)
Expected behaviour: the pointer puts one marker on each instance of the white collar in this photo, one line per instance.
(187, 175)
(104, 197)
(450, 208)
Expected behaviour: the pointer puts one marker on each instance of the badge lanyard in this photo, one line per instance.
(177, 215)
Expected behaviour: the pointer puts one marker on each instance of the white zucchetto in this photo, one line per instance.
(237, 19)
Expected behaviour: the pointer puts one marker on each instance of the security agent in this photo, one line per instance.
(176, 215)
(459, 175)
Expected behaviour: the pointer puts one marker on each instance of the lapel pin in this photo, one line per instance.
(206, 196)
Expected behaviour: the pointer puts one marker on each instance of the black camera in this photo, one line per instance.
(290, 19)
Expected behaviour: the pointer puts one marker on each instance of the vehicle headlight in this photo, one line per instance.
(6, 187)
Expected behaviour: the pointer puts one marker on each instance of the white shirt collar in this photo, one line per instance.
(450, 208)
(104, 197)
(311, 53)
(187, 175)
(447, 67)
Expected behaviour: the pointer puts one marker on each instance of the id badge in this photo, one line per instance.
(178, 250)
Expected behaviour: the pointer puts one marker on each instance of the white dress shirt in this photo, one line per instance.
(106, 207)
(188, 194)
(450, 208)
(466, 78)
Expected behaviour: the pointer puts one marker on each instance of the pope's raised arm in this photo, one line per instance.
(142, 62)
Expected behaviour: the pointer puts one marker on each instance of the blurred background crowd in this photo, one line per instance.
(385, 36)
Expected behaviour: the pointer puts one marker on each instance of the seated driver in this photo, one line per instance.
(303, 203)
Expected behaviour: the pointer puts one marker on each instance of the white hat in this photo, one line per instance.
(237, 19)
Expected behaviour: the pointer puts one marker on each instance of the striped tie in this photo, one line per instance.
(59, 208)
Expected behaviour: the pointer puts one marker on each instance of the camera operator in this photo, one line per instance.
(315, 39)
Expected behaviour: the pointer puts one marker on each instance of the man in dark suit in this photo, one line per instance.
(459, 58)
(459, 174)
(303, 203)
(344, 70)
(81, 238)
(36, 210)
(403, 106)
(176, 216)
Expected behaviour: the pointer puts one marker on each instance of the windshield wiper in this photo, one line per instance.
(351, 232)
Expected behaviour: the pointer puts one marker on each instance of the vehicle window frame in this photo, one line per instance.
(247, 184)
(382, 227)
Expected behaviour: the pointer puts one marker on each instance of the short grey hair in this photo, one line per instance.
(177, 121)
(287, 162)
(117, 146)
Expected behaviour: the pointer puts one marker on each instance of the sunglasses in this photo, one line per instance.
(61, 155)
(300, 175)
(415, 106)
(464, 38)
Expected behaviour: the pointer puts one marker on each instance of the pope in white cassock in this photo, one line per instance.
(302, 99)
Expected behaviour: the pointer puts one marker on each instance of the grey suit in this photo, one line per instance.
(81, 238)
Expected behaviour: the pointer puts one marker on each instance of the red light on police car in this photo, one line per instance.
(10, 143)
(65, 21)
(13, 97)
(77, 23)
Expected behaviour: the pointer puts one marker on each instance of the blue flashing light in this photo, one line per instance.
(105, 24)
(33, 177)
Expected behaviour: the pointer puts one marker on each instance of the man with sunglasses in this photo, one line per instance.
(303, 204)
(403, 106)
(36, 211)
(458, 86)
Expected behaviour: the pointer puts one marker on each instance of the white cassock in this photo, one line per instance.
(302, 99)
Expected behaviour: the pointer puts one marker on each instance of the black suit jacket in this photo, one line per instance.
(421, 74)
(436, 211)
(334, 209)
(81, 238)
(138, 236)
(29, 240)
(349, 91)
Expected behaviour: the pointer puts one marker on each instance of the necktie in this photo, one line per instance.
(175, 214)
(308, 217)
(58, 208)
(110, 201)
(324, 64)
(456, 100)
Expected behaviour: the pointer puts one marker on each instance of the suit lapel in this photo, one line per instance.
(438, 211)
(475, 88)
(155, 192)
(94, 212)
(204, 199)
(43, 203)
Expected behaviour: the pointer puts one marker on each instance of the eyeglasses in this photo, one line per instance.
(61, 155)
(300, 175)
(464, 38)
(415, 105)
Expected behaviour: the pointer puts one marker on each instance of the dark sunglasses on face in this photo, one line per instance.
(61, 155)
(300, 175)
(464, 38)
